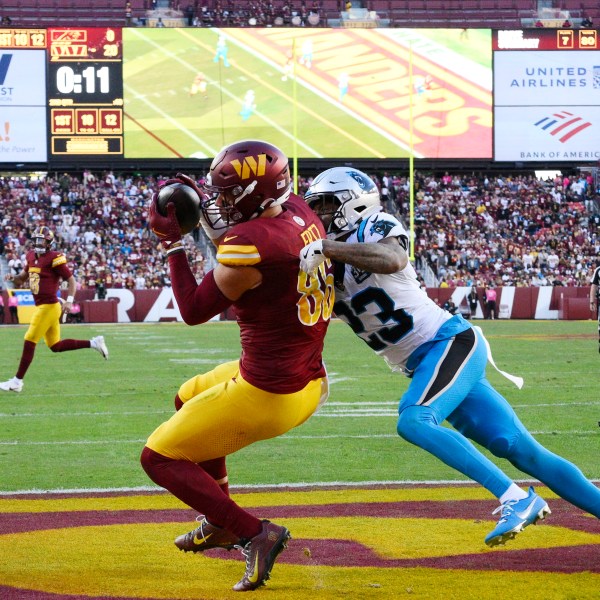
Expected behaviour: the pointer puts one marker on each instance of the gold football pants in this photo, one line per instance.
(45, 322)
(223, 413)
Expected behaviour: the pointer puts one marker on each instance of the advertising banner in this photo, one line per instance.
(23, 106)
(546, 96)
(25, 304)
(547, 133)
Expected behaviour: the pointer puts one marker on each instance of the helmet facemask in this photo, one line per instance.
(226, 214)
(327, 207)
(345, 197)
(43, 240)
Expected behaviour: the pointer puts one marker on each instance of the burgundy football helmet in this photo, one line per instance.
(43, 239)
(245, 178)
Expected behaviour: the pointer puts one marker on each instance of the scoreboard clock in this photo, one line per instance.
(85, 92)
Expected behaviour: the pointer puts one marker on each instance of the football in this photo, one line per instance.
(186, 201)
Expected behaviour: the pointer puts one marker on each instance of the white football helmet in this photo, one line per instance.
(344, 196)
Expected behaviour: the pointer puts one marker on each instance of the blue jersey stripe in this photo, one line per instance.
(361, 231)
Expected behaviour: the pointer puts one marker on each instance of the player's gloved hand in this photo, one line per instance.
(165, 228)
(214, 229)
(311, 256)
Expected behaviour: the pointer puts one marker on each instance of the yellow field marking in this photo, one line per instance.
(140, 561)
(162, 501)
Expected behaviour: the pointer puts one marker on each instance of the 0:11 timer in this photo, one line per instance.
(70, 82)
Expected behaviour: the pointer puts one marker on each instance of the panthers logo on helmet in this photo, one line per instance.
(365, 183)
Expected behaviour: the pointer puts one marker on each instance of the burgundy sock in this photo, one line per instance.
(217, 469)
(66, 345)
(178, 403)
(26, 358)
(193, 485)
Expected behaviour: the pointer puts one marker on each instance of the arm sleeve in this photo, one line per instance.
(197, 303)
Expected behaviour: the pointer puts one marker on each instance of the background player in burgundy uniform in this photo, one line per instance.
(279, 380)
(45, 268)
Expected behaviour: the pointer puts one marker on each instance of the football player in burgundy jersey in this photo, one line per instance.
(44, 269)
(379, 296)
(258, 227)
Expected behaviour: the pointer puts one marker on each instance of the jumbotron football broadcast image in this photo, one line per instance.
(299, 299)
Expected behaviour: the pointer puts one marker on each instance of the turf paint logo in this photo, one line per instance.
(251, 165)
(563, 125)
(373, 541)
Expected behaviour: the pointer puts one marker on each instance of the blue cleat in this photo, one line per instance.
(515, 515)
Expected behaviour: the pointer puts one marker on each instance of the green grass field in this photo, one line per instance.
(81, 422)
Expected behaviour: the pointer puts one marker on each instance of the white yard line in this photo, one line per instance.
(330, 409)
(266, 487)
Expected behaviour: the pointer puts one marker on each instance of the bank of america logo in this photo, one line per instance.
(563, 124)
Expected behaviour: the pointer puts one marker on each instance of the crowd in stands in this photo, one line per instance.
(260, 13)
(100, 222)
(470, 230)
(493, 231)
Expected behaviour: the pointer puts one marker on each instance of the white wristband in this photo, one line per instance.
(70, 299)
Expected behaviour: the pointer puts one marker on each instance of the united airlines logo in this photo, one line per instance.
(251, 165)
(563, 125)
(4, 64)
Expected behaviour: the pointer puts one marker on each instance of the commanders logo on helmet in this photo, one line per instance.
(245, 179)
(43, 239)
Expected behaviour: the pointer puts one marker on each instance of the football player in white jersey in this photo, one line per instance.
(378, 295)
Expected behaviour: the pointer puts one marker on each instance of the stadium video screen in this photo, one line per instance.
(322, 93)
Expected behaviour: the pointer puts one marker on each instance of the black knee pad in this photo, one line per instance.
(501, 446)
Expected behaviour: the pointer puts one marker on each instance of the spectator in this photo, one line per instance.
(490, 303)
(190, 14)
(15, 264)
(473, 301)
(13, 308)
(75, 315)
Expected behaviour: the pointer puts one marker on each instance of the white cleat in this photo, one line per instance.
(12, 385)
(99, 345)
